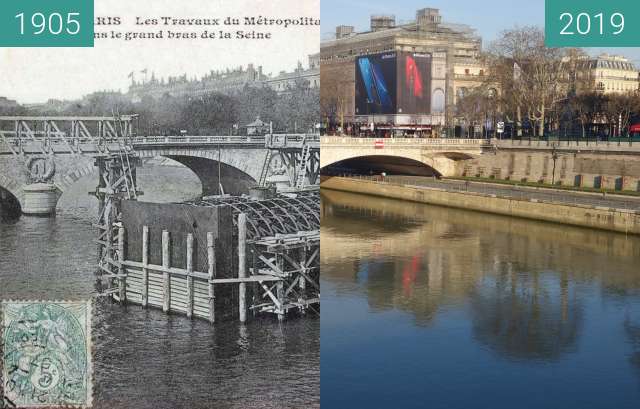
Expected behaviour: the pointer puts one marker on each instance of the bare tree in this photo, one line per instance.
(532, 77)
(475, 107)
(619, 109)
(586, 107)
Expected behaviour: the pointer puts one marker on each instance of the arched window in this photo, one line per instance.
(437, 101)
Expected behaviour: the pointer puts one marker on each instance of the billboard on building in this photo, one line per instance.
(414, 83)
(393, 83)
(376, 84)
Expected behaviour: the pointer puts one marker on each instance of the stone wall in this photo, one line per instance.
(608, 170)
(623, 221)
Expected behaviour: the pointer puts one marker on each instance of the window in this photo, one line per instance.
(437, 101)
(466, 71)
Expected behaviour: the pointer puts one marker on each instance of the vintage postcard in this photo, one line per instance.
(162, 168)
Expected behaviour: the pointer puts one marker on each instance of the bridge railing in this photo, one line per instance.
(278, 141)
(188, 140)
(59, 141)
(340, 140)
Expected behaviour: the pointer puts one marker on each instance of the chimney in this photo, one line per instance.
(344, 31)
(427, 19)
(381, 22)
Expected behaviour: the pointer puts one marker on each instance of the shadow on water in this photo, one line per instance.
(522, 283)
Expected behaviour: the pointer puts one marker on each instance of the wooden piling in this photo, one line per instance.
(189, 275)
(280, 295)
(145, 264)
(121, 268)
(280, 289)
(166, 277)
(303, 266)
(211, 258)
(242, 264)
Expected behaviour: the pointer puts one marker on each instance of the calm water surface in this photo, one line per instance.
(426, 307)
(143, 358)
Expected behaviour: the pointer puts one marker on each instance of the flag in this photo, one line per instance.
(130, 75)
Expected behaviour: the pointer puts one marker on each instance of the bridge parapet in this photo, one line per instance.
(568, 145)
(60, 143)
(436, 143)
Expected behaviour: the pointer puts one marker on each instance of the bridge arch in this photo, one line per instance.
(10, 205)
(212, 173)
(444, 156)
(236, 169)
(438, 164)
(376, 164)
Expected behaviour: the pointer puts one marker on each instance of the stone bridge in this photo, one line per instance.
(439, 156)
(577, 163)
(61, 150)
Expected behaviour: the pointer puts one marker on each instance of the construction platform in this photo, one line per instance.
(220, 257)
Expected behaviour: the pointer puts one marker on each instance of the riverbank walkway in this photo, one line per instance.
(542, 194)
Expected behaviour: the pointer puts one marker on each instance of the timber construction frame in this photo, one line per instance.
(262, 256)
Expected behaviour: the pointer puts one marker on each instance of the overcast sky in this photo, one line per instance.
(32, 75)
(489, 17)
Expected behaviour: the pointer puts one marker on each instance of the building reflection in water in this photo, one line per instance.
(521, 282)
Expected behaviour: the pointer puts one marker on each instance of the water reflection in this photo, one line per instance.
(444, 308)
(523, 286)
(532, 316)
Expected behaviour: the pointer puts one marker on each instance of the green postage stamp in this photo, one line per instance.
(46, 354)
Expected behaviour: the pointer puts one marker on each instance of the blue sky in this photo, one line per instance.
(489, 17)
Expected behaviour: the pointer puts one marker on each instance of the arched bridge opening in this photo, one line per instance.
(217, 177)
(377, 164)
(10, 207)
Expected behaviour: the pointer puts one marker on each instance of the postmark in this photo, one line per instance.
(46, 358)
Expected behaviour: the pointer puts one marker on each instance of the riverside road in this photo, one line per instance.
(518, 192)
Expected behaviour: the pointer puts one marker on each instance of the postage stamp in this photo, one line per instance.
(46, 358)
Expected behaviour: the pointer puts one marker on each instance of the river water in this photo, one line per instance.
(143, 358)
(427, 307)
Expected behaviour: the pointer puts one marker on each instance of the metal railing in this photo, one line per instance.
(55, 139)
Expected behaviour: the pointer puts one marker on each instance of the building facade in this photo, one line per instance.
(455, 67)
(6, 103)
(308, 77)
(609, 74)
(229, 81)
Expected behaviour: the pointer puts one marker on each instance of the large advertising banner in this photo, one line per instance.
(376, 84)
(393, 83)
(414, 83)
